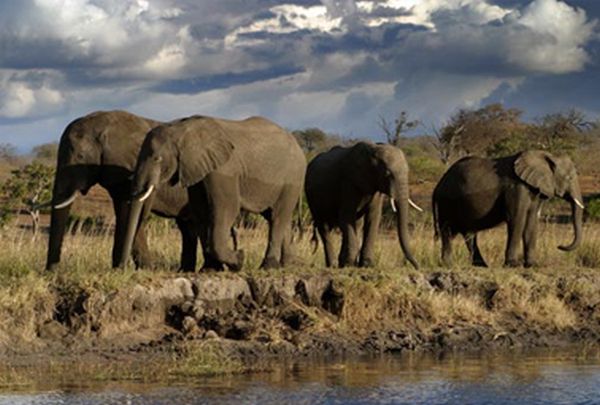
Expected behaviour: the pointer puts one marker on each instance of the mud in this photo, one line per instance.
(256, 316)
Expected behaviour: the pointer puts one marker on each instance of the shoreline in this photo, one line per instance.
(251, 316)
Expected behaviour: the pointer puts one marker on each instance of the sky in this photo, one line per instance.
(334, 64)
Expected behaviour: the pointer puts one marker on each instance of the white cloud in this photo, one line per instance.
(20, 98)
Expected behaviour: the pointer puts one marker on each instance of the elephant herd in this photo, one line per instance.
(201, 171)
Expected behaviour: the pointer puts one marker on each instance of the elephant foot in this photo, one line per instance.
(292, 260)
(531, 263)
(239, 261)
(210, 263)
(479, 263)
(270, 263)
(366, 262)
(512, 263)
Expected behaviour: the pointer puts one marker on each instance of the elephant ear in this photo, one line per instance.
(360, 162)
(536, 168)
(202, 148)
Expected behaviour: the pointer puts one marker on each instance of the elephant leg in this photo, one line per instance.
(279, 227)
(370, 231)
(223, 206)
(349, 251)
(446, 236)
(474, 252)
(325, 234)
(189, 245)
(530, 237)
(516, 227)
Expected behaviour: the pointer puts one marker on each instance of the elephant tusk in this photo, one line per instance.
(415, 206)
(146, 194)
(67, 202)
(579, 203)
(393, 204)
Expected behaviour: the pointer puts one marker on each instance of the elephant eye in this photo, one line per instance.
(158, 159)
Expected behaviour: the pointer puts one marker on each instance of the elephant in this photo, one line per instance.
(226, 165)
(101, 148)
(346, 184)
(478, 193)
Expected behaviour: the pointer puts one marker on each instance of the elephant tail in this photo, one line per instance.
(436, 225)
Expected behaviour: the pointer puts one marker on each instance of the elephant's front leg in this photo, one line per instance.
(517, 208)
(530, 236)
(347, 220)
(370, 231)
(223, 208)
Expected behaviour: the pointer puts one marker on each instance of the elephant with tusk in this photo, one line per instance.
(477, 193)
(225, 166)
(346, 184)
(101, 148)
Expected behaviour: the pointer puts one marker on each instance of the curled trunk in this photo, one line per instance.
(401, 196)
(577, 218)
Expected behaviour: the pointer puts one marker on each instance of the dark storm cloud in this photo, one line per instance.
(206, 83)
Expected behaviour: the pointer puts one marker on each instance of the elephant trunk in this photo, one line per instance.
(577, 217)
(133, 219)
(401, 197)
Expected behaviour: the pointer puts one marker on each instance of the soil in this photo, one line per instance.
(270, 315)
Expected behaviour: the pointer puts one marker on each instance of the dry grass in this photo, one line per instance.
(390, 293)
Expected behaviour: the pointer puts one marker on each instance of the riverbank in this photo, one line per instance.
(233, 322)
(224, 322)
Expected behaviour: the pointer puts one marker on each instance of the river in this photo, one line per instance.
(539, 377)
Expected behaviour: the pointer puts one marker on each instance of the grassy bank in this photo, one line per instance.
(391, 307)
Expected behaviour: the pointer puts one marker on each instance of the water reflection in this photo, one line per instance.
(542, 377)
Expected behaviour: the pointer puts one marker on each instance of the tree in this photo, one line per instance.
(400, 126)
(558, 132)
(8, 152)
(25, 189)
(487, 131)
(46, 152)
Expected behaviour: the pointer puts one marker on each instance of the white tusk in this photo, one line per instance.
(579, 203)
(66, 203)
(415, 206)
(147, 194)
(393, 204)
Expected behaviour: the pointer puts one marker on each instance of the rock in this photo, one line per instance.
(273, 291)
(310, 290)
(332, 299)
(211, 334)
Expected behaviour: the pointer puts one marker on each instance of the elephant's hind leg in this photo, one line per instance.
(189, 245)
(446, 236)
(325, 234)
(474, 252)
(280, 222)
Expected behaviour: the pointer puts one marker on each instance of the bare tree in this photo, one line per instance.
(394, 131)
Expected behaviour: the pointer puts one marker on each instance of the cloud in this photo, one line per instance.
(331, 63)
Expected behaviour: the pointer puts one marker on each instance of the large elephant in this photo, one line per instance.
(478, 193)
(226, 166)
(346, 184)
(102, 148)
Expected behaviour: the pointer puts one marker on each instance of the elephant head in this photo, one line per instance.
(554, 176)
(383, 168)
(181, 153)
(98, 148)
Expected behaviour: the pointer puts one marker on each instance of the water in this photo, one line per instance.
(535, 378)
